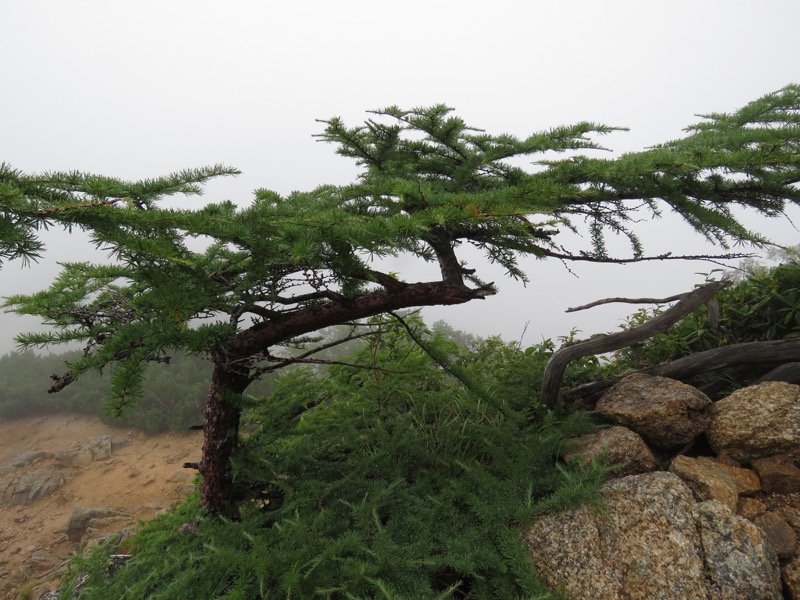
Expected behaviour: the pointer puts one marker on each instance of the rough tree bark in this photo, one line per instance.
(607, 343)
(221, 436)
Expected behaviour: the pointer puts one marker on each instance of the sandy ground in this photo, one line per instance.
(144, 477)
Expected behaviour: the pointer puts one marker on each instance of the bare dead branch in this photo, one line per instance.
(305, 358)
(607, 343)
(54, 210)
(626, 300)
(715, 258)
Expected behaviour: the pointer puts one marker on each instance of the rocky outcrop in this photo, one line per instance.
(28, 487)
(19, 488)
(724, 525)
(757, 421)
(617, 446)
(665, 412)
(39, 525)
(82, 454)
(652, 540)
(97, 519)
(29, 458)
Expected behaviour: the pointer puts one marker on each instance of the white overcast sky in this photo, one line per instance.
(141, 89)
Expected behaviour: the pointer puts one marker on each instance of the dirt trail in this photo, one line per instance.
(143, 475)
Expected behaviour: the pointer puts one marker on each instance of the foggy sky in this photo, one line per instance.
(141, 89)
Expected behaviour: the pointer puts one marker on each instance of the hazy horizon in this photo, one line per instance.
(141, 90)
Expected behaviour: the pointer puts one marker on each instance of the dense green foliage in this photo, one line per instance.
(31, 203)
(283, 267)
(398, 481)
(429, 185)
(412, 477)
(387, 482)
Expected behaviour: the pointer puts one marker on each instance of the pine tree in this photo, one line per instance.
(31, 203)
(284, 267)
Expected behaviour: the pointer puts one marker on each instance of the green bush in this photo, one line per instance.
(394, 481)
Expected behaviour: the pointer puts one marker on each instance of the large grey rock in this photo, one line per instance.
(617, 446)
(739, 562)
(83, 519)
(757, 421)
(665, 412)
(652, 541)
(82, 454)
(27, 488)
(644, 544)
(29, 457)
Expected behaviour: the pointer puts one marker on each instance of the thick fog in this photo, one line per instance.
(138, 90)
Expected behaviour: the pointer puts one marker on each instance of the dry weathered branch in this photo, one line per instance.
(607, 343)
(777, 352)
(715, 258)
(626, 300)
(774, 352)
(54, 210)
(304, 358)
(789, 372)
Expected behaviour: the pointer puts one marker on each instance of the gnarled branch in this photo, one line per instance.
(607, 343)
(775, 352)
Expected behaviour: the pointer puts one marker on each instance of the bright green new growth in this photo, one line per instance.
(32, 203)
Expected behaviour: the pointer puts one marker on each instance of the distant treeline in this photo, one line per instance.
(763, 305)
(173, 397)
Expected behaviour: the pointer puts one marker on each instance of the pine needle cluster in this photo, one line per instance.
(393, 482)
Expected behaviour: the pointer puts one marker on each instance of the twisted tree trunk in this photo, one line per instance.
(221, 436)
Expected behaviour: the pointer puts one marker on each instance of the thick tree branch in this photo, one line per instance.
(261, 336)
(449, 266)
(749, 353)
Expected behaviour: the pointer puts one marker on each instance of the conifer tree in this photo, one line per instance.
(285, 266)
(31, 203)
